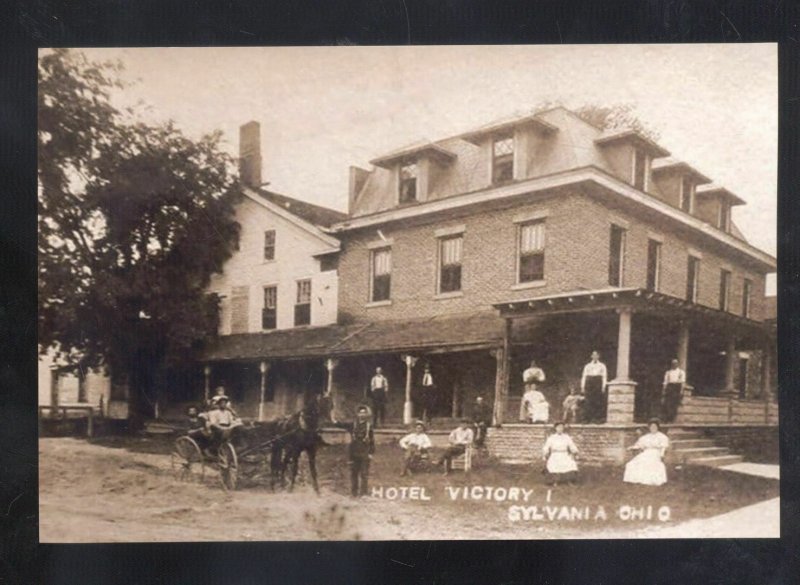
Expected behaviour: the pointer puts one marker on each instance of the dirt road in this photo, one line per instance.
(94, 493)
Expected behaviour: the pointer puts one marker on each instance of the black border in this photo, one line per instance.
(34, 23)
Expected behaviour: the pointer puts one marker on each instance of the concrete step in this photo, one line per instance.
(717, 461)
(679, 434)
(691, 443)
(701, 452)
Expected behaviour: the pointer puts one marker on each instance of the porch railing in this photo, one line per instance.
(726, 410)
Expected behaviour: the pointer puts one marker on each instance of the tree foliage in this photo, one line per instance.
(608, 117)
(134, 219)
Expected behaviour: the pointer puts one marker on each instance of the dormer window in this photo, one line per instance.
(408, 182)
(641, 169)
(724, 216)
(687, 194)
(503, 160)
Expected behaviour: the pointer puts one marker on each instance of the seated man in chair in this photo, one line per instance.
(416, 446)
(460, 439)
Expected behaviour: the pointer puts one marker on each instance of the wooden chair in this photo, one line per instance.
(463, 461)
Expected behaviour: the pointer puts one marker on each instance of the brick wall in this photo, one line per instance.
(757, 443)
(576, 257)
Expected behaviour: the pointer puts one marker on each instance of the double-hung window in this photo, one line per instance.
(747, 289)
(724, 217)
(381, 286)
(641, 168)
(302, 307)
(531, 251)
(653, 264)
(269, 245)
(408, 182)
(269, 314)
(687, 194)
(616, 258)
(450, 248)
(692, 278)
(724, 289)
(503, 160)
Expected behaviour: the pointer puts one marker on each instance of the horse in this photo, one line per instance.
(296, 434)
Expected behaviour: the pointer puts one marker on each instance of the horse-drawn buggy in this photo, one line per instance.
(254, 450)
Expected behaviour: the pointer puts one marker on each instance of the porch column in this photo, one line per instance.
(207, 383)
(502, 356)
(621, 389)
(263, 367)
(330, 365)
(408, 406)
(730, 365)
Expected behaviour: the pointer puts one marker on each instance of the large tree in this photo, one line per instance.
(134, 219)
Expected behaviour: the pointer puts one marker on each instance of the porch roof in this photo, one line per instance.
(611, 298)
(454, 332)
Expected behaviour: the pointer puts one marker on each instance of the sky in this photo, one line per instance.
(323, 109)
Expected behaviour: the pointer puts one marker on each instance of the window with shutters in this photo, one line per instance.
(503, 160)
(408, 182)
(616, 258)
(687, 194)
(269, 245)
(381, 275)
(302, 307)
(724, 289)
(747, 288)
(653, 264)
(450, 263)
(240, 309)
(269, 314)
(531, 251)
(692, 277)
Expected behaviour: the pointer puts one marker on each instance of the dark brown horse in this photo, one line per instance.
(295, 435)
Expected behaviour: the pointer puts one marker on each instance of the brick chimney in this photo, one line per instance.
(250, 154)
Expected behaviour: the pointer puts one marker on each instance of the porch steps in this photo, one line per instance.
(691, 448)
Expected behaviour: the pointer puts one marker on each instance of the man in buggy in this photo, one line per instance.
(222, 424)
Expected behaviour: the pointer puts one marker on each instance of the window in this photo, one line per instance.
(653, 264)
(747, 288)
(687, 194)
(503, 160)
(269, 314)
(724, 217)
(381, 274)
(724, 289)
(450, 263)
(616, 260)
(269, 245)
(302, 308)
(640, 168)
(531, 252)
(408, 182)
(692, 277)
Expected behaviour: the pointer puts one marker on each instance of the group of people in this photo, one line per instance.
(589, 404)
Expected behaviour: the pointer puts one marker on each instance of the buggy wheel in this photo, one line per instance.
(228, 466)
(185, 457)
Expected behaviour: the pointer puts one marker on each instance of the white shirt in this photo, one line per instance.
(674, 376)
(594, 369)
(461, 436)
(379, 381)
(419, 440)
(224, 418)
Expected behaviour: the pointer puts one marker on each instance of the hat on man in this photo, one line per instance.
(220, 398)
(419, 423)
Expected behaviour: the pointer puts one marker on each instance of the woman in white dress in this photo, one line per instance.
(648, 467)
(559, 453)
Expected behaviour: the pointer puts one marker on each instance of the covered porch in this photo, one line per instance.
(729, 360)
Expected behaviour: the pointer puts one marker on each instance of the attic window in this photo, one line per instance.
(724, 217)
(408, 182)
(641, 164)
(687, 194)
(503, 160)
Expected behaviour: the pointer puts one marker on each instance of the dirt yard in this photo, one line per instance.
(113, 490)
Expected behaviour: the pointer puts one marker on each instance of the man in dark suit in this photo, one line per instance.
(482, 418)
(360, 450)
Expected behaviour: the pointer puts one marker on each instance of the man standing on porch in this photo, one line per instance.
(674, 379)
(593, 386)
(379, 388)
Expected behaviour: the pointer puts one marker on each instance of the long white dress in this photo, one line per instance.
(535, 406)
(648, 467)
(560, 451)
